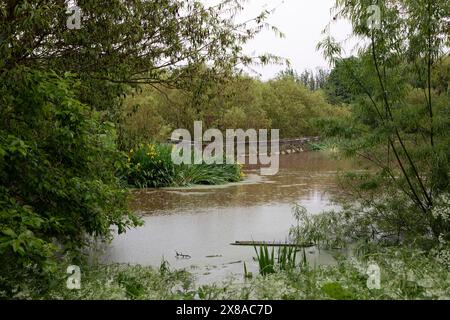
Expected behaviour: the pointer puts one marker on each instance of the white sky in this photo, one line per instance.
(302, 22)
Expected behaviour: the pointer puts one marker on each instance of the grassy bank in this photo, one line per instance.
(406, 273)
(151, 166)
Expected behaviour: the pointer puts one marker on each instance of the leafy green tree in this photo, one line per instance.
(126, 42)
(339, 87)
(57, 176)
(60, 87)
(292, 107)
(314, 80)
(403, 133)
(238, 102)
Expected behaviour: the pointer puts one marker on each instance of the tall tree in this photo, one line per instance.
(407, 139)
(126, 42)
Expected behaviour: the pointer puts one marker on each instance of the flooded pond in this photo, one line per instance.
(202, 221)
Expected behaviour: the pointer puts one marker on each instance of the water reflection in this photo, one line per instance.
(307, 176)
(203, 221)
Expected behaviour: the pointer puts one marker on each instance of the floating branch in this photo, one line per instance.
(271, 244)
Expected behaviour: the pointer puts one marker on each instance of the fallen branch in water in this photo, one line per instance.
(271, 244)
(182, 256)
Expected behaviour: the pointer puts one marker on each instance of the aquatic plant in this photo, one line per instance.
(266, 260)
(287, 257)
(204, 174)
(151, 166)
(247, 275)
(268, 264)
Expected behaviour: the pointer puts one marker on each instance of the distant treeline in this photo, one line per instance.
(284, 103)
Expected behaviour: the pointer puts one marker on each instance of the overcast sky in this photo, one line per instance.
(302, 22)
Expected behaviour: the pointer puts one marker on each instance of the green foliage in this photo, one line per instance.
(241, 102)
(286, 258)
(268, 264)
(312, 80)
(132, 285)
(266, 260)
(335, 291)
(57, 181)
(123, 43)
(397, 88)
(151, 166)
(208, 174)
(124, 282)
(339, 88)
(313, 229)
(327, 144)
(406, 273)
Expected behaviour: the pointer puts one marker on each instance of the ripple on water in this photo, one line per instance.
(202, 221)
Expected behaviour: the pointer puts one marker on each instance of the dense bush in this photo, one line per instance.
(57, 176)
(150, 166)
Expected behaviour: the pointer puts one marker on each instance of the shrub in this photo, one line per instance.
(57, 177)
(151, 166)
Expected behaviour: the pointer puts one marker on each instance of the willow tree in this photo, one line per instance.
(401, 115)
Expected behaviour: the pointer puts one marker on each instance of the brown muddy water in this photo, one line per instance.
(202, 221)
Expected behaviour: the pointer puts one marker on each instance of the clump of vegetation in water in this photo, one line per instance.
(151, 166)
(328, 144)
(208, 174)
(269, 264)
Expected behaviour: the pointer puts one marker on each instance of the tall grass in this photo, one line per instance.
(204, 174)
(287, 257)
(266, 260)
(268, 264)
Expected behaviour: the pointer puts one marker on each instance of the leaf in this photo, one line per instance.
(10, 232)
